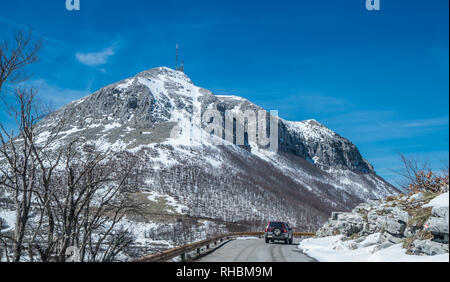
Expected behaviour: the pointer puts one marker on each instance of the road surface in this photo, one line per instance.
(256, 250)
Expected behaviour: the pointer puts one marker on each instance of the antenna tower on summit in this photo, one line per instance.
(178, 68)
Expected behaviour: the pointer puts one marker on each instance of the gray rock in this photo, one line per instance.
(386, 240)
(400, 215)
(395, 227)
(429, 248)
(442, 212)
(411, 231)
(353, 228)
(389, 238)
(372, 217)
(362, 207)
(439, 228)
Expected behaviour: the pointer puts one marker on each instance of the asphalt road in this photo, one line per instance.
(256, 250)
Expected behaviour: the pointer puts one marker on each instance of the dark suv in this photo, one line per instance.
(279, 231)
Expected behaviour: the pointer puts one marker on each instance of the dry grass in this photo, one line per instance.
(391, 198)
(421, 235)
(151, 210)
(418, 217)
(336, 232)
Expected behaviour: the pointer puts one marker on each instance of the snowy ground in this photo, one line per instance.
(333, 249)
(247, 238)
(440, 201)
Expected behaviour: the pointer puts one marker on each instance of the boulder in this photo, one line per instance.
(428, 247)
(395, 227)
(400, 214)
(440, 212)
(411, 231)
(389, 238)
(439, 228)
(353, 228)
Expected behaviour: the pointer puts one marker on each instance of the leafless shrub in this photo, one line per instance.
(419, 177)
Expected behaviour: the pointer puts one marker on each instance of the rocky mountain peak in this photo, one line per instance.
(140, 113)
(165, 74)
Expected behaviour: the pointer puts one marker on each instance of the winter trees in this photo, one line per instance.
(19, 175)
(66, 194)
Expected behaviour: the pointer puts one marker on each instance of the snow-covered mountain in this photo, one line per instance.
(156, 115)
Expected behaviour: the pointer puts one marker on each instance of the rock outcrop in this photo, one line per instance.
(418, 221)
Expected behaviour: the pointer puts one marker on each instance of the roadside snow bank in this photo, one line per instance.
(247, 238)
(335, 249)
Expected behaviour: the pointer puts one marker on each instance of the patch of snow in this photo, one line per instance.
(179, 208)
(125, 85)
(247, 238)
(111, 126)
(333, 249)
(230, 97)
(441, 201)
(140, 230)
(311, 129)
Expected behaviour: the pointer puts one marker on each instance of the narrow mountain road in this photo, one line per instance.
(256, 250)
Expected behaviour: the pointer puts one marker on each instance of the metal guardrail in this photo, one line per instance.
(183, 250)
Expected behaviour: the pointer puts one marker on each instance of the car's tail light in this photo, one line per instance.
(284, 230)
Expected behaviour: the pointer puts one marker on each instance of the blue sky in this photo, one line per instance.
(378, 78)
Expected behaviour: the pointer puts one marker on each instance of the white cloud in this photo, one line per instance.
(95, 59)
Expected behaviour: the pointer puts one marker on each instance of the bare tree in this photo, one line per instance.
(88, 202)
(16, 55)
(19, 171)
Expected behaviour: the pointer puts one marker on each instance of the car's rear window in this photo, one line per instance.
(276, 224)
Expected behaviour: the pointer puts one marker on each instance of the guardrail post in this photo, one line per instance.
(207, 246)
(198, 251)
(183, 257)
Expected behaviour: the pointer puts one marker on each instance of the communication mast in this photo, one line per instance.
(178, 68)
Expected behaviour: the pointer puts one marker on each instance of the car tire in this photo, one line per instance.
(267, 241)
(286, 241)
(290, 241)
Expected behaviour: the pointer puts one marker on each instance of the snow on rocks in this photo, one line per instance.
(405, 228)
(438, 223)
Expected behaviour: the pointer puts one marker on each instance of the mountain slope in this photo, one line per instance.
(313, 172)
